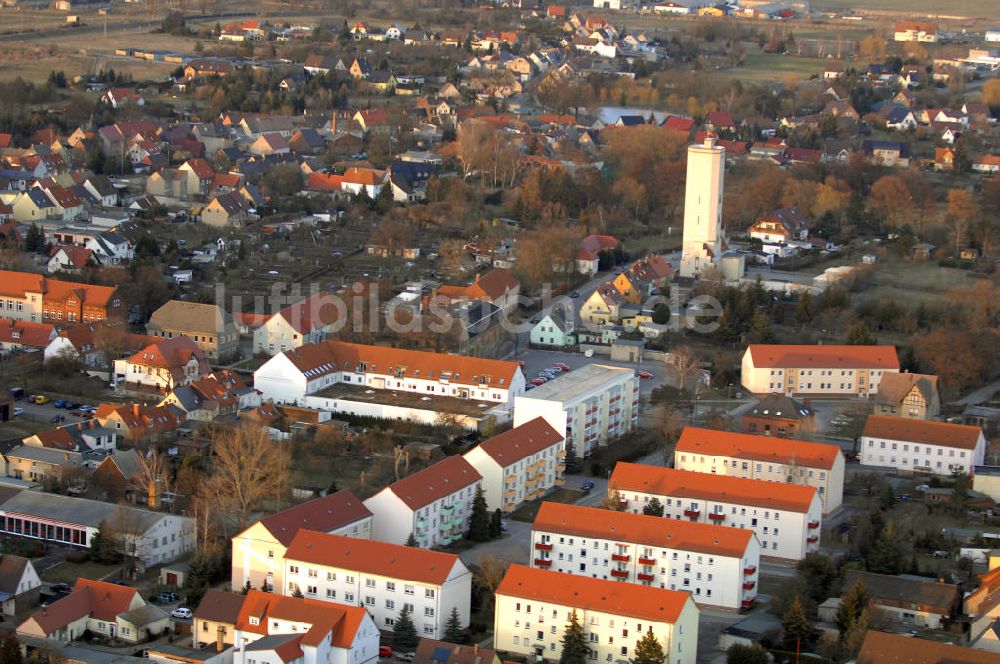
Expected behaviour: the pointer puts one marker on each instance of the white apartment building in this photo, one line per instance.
(519, 464)
(785, 517)
(433, 504)
(904, 444)
(715, 564)
(272, 629)
(533, 607)
(753, 457)
(382, 578)
(391, 383)
(591, 405)
(809, 370)
(259, 551)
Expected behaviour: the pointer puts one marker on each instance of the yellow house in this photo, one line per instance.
(629, 291)
(601, 308)
(711, 11)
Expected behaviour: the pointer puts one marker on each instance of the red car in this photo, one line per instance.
(384, 651)
(538, 381)
(561, 366)
(645, 375)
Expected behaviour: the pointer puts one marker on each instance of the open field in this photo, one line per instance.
(761, 67)
(910, 8)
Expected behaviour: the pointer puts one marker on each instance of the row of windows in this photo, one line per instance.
(928, 450)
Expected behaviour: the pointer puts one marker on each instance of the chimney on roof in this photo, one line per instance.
(475, 648)
(220, 642)
(153, 495)
(710, 139)
(135, 409)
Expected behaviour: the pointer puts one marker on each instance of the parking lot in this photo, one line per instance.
(47, 411)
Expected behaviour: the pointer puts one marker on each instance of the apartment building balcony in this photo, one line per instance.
(560, 481)
(717, 517)
(458, 520)
(747, 603)
(813, 525)
(561, 467)
(812, 539)
(642, 576)
(543, 563)
(647, 561)
(623, 504)
(620, 557)
(542, 546)
(447, 508)
(749, 585)
(619, 573)
(748, 571)
(694, 513)
(510, 479)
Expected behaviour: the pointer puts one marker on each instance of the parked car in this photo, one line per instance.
(18, 411)
(41, 399)
(574, 294)
(58, 403)
(538, 382)
(645, 375)
(562, 366)
(181, 612)
(384, 651)
(405, 656)
(587, 486)
(62, 588)
(56, 419)
(529, 386)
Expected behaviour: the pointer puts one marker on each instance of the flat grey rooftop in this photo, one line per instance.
(577, 383)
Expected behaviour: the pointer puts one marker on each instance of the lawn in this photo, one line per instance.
(67, 572)
(21, 428)
(773, 67)
(913, 283)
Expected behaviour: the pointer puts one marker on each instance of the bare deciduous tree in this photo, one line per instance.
(248, 467)
(490, 573)
(685, 364)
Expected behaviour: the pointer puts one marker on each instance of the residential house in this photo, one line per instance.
(591, 406)
(908, 395)
(944, 159)
(921, 446)
(498, 286)
(20, 586)
(785, 517)
(781, 227)
(380, 577)
(716, 564)
(227, 211)
(988, 164)
(157, 537)
(520, 464)
(33, 205)
(886, 153)
(916, 31)
(222, 393)
(208, 325)
(367, 181)
(304, 322)
(603, 306)
(119, 476)
(588, 255)
(432, 651)
(139, 424)
(215, 619)
(307, 140)
(163, 365)
(982, 605)
(778, 415)
(197, 176)
(554, 330)
(910, 600)
(269, 144)
(433, 505)
(763, 458)
(35, 298)
(101, 608)
(886, 648)
(69, 259)
(803, 370)
(273, 629)
(18, 335)
(258, 552)
(527, 598)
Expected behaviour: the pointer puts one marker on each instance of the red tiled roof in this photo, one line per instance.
(325, 514)
(98, 599)
(593, 522)
(946, 434)
(521, 442)
(694, 440)
(17, 284)
(435, 482)
(324, 182)
(201, 168)
(612, 597)
(372, 557)
(170, 354)
(368, 177)
(884, 648)
(25, 333)
(340, 621)
(813, 356)
(705, 486)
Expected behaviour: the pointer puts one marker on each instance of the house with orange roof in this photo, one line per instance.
(812, 370)
(18, 334)
(716, 564)
(33, 297)
(197, 175)
(785, 517)
(271, 143)
(305, 373)
(137, 423)
(885, 648)
(519, 464)
(380, 576)
(615, 614)
(163, 365)
(922, 446)
(367, 181)
(433, 504)
(916, 31)
(783, 460)
(305, 322)
(258, 552)
(216, 395)
(99, 607)
(271, 628)
(498, 286)
(69, 258)
(588, 255)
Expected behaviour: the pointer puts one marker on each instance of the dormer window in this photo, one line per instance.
(254, 620)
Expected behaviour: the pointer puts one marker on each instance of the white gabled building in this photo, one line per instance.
(534, 606)
(433, 504)
(272, 629)
(812, 370)
(785, 517)
(905, 444)
(519, 464)
(753, 457)
(323, 375)
(259, 551)
(382, 578)
(305, 322)
(591, 405)
(715, 564)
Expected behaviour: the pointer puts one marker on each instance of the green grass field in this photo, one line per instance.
(772, 67)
